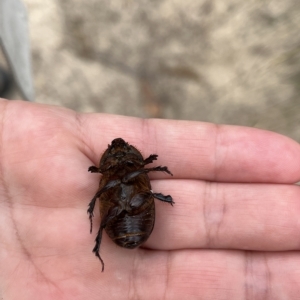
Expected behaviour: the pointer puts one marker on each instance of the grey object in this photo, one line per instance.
(5, 83)
(14, 41)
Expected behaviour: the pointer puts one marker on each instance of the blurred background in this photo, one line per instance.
(232, 62)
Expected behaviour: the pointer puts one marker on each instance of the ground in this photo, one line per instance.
(233, 62)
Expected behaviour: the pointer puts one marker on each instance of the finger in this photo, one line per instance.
(225, 215)
(190, 149)
(195, 274)
(201, 150)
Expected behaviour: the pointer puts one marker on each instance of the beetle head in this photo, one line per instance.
(120, 154)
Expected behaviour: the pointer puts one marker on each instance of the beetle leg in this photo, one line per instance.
(90, 212)
(112, 213)
(94, 169)
(163, 198)
(134, 174)
(97, 246)
(91, 205)
(160, 168)
(150, 159)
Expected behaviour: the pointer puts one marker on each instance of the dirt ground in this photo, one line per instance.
(232, 62)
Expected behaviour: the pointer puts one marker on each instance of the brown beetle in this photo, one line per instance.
(126, 200)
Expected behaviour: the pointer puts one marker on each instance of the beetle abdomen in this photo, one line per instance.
(130, 231)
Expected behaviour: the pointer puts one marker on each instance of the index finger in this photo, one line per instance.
(205, 151)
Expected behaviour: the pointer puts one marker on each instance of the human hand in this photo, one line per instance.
(233, 232)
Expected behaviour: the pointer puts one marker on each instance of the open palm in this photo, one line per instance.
(234, 232)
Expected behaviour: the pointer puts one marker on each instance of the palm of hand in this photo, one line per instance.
(45, 250)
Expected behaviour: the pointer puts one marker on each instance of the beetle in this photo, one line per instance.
(126, 200)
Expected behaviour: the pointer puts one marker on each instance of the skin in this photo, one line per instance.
(233, 233)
